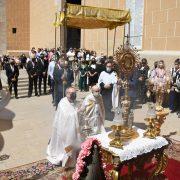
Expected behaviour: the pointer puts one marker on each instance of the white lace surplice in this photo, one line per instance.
(135, 147)
(65, 133)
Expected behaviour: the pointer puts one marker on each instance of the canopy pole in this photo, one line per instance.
(107, 41)
(65, 25)
(124, 35)
(55, 32)
(129, 32)
(114, 40)
(60, 38)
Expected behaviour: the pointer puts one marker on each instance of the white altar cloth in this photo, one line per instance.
(133, 148)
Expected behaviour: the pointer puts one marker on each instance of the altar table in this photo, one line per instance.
(135, 153)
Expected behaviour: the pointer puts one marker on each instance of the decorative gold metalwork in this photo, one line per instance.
(161, 116)
(159, 91)
(116, 142)
(125, 57)
(111, 158)
(162, 161)
(154, 124)
(125, 134)
(139, 162)
(108, 156)
(115, 175)
(150, 132)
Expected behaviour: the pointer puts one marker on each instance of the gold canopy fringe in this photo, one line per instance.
(87, 17)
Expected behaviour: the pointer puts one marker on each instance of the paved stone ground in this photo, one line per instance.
(26, 123)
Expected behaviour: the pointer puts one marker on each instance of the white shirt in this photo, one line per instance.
(28, 59)
(107, 78)
(87, 57)
(12, 68)
(51, 69)
(80, 54)
(70, 55)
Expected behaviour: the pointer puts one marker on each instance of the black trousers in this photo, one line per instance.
(142, 91)
(177, 101)
(32, 81)
(49, 81)
(40, 78)
(107, 100)
(52, 88)
(0, 85)
(13, 84)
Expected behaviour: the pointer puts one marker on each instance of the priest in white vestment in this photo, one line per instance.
(94, 112)
(65, 139)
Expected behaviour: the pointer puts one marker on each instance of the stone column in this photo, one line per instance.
(3, 37)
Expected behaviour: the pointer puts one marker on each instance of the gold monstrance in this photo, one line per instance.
(125, 58)
(155, 122)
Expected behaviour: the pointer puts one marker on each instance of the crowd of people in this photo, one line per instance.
(83, 68)
(64, 72)
(68, 128)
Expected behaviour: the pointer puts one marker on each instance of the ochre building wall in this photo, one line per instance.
(161, 25)
(17, 16)
(3, 39)
(42, 16)
(34, 22)
(97, 39)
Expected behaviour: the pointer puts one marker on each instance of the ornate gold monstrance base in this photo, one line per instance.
(126, 133)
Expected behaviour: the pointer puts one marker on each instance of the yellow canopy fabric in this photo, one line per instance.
(87, 17)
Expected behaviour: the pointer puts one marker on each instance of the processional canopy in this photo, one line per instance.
(88, 17)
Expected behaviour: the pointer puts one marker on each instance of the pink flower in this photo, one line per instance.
(76, 176)
(87, 144)
(80, 166)
(104, 165)
(85, 152)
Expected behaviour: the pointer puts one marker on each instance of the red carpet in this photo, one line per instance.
(172, 171)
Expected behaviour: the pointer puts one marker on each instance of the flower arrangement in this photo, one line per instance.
(84, 153)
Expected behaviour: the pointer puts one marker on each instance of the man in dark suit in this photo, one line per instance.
(42, 67)
(142, 75)
(101, 66)
(32, 73)
(12, 73)
(68, 76)
(23, 60)
(63, 78)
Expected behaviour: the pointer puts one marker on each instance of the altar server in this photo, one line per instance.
(93, 109)
(65, 139)
(106, 81)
